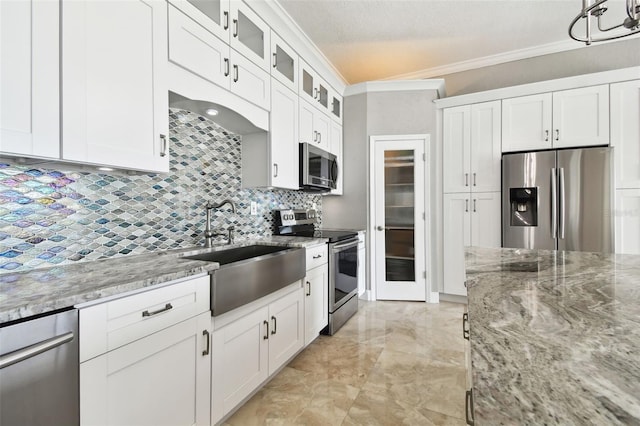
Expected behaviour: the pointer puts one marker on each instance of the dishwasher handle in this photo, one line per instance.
(33, 350)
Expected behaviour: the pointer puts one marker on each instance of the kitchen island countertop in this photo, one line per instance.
(555, 337)
(38, 291)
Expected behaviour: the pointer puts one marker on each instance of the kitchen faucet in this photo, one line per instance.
(208, 233)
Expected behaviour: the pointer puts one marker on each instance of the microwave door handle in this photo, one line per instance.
(334, 170)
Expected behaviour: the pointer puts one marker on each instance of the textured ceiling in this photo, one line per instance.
(378, 39)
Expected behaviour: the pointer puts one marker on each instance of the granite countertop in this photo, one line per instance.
(27, 293)
(555, 337)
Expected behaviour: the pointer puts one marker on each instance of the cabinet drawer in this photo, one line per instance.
(316, 256)
(112, 324)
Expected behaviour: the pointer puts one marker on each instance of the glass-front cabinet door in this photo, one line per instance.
(211, 14)
(284, 63)
(250, 35)
(400, 244)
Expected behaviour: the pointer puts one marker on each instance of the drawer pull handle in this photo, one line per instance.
(318, 256)
(226, 20)
(309, 289)
(465, 326)
(166, 308)
(208, 336)
(468, 407)
(266, 336)
(275, 325)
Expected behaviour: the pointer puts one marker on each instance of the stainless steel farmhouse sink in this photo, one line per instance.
(251, 272)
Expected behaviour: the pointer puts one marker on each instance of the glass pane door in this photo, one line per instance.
(399, 202)
(399, 223)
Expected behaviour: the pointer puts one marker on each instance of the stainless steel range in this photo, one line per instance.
(343, 261)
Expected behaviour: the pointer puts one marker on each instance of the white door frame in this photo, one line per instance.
(431, 296)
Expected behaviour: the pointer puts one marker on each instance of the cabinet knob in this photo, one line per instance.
(380, 228)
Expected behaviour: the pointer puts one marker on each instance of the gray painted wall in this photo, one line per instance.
(595, 58)
(378, 113)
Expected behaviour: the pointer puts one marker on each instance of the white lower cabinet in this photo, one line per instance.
(470, 219)
(247, 350)
(162, 379)
(316, 309)
(146, 358)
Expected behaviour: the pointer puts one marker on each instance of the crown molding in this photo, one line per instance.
(583, 80)
(396, 85)
(501, 58)
(284, 25)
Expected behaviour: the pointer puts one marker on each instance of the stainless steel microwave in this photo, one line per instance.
(318, 169)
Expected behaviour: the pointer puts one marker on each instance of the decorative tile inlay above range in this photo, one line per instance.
(51, 217)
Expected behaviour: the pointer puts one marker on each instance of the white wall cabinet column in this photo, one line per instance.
(471, 185)
(625, 138)
(30, 78)
(625, 133)
(627, 221)
(114, 88)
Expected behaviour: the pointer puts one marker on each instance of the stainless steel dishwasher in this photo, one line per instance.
(39, 367)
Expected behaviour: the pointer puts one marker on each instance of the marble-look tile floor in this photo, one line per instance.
(394, 363)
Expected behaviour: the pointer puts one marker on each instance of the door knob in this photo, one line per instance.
(380, 228)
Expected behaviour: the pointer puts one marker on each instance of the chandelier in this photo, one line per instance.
(592, 13)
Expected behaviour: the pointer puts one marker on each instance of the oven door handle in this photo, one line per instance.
(344, 245)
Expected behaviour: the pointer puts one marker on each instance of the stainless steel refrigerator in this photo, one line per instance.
(558, 200)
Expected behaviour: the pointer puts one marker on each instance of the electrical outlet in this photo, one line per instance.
(254, 208)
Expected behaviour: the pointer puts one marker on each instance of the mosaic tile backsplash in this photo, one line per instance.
(50, 217)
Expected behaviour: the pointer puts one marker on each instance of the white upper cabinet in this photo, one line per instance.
(581, 117)
(526, 123)
(249, 80)
(471, 151)
(284, 63)
(29, 78)
(625, 133)
(114, 89)
(284, 137)
(567, 118)
(196, 49)
(335, 106)
(456, 148)
(312, 88)
(250, 35)
(314, 126)
(486, 148)
(234, 23)
(212, 14)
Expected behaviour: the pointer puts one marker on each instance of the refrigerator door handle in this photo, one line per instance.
(561, 202)
(554, 204)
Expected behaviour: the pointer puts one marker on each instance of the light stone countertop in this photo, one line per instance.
(555, 337)
(27, 293)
